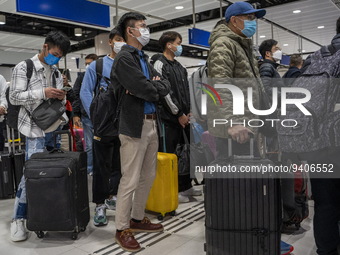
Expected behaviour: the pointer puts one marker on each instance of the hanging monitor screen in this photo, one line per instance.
(81, 11)
(199, 37)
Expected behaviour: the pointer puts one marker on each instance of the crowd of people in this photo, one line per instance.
(155, 103)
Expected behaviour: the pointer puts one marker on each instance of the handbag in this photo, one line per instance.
(48, 112)
(183, 154)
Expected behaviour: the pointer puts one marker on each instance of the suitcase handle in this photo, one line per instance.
(251, 143)
(60, 132)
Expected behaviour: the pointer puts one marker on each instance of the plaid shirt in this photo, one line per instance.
(31, 95)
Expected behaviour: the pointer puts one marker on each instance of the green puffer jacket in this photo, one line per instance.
(228, 60)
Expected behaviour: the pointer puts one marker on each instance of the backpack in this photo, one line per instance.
(197, 79)
(312, 133)
(104, 109)
(13, 110)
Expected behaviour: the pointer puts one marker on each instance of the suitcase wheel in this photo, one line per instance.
(40, 234)
(74, 236)
(82, 229)
(160, 217)
(173, 213)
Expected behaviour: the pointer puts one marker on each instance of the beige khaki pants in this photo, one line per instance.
(138, 158)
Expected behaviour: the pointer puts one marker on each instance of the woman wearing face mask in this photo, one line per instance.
(175, 109)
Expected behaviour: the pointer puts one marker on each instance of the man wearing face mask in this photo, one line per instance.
(46, 82)
(272, 55)
(231, 56)
(106, 157)
(175, 107)
(139, 87)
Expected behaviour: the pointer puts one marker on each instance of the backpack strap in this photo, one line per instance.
(99, 73)
(29, 71)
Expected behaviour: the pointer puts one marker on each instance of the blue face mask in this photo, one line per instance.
(249, 28)
(51, 59)
(179, 51)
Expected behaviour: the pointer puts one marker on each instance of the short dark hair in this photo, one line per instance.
(338, 26)
(267, 45)
(92, 56)
(58, 39)
(169, 36)
(128, 20)
(113, 33)
(296, 60)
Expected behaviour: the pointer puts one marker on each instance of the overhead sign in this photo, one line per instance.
(81, 11)
(199, 37)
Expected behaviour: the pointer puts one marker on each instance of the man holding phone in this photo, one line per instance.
(46, 82)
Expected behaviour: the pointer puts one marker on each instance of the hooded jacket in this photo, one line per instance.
(231, 56)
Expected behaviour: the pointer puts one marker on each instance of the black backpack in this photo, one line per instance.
(320, 130)
(13, 110)
(105, 108)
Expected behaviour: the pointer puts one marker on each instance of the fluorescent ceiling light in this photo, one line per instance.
(297, 11)
(180, 7)
(2, 19)
(262, 36)
(319, 27)
(78, 32)
(286, 44)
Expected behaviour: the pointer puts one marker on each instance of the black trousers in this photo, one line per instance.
(326, 194)
(106, 168)
(174, 136)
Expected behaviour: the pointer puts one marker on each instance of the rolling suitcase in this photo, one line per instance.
(163, 196)
(243, 215)
(57, 194)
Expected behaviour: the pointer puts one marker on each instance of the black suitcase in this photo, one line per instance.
(243, 215)
(6, 176)
(57, 193)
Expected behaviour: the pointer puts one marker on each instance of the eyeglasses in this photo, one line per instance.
(249, 16)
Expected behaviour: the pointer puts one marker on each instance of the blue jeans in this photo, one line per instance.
(88, 136)
(33, 145)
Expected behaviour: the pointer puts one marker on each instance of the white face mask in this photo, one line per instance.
(277, 55)
(118, 46)
(144, 37)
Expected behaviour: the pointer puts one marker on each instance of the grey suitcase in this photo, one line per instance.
(243, 215)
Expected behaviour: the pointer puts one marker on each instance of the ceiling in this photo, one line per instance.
(313, 13)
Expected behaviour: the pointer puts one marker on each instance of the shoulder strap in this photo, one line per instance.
(29, 70)
(99, 73)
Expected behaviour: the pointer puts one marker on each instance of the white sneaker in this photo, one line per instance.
(18, 230)
(191, 192)
(111, 203)
(182, 199)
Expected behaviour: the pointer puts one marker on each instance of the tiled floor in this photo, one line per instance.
(183, 235)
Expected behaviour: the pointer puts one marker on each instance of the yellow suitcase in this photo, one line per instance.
(163, 196)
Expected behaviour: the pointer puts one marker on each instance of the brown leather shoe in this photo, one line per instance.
(145, 226)
(127, 241)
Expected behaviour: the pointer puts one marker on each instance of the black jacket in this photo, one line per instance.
(127, 74)
(178, 101)
(78, 109)
(292, 73)
(270, 77)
